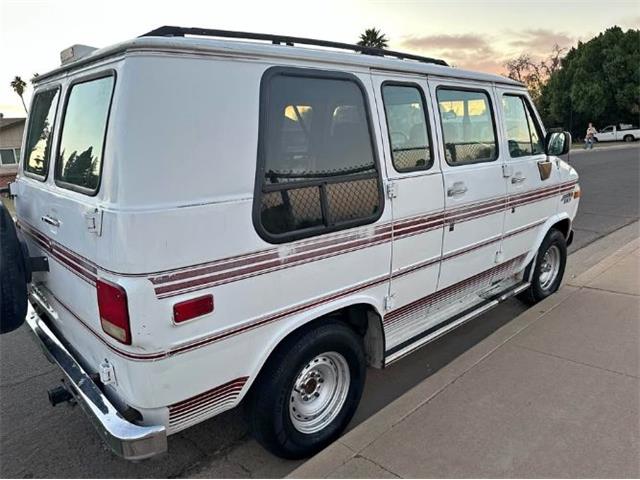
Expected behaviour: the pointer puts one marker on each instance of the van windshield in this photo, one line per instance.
(84, 126)
(39, 138)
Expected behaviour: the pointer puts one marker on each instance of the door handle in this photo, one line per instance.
(457, 189)
(518, 179)
(50, 220)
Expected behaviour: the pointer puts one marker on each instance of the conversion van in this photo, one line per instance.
(207, 217)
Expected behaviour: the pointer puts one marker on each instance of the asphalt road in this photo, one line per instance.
(39, 441)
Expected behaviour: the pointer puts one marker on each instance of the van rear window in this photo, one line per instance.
(79, 161)
(40, 132)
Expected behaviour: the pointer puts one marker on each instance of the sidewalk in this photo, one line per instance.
(554, 393)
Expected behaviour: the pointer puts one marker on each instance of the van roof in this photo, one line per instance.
(166, 40)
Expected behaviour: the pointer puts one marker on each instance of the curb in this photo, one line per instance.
(576, 151)
(326, 463)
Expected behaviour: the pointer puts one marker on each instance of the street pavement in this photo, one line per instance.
(611, 195)
(553, 394)
(39, 441)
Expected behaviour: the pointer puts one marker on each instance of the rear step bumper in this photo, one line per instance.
(130, 441)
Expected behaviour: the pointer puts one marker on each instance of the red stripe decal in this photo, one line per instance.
(200, 404)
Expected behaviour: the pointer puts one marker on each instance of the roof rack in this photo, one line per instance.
(169, 31)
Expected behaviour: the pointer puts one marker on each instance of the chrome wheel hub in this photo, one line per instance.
(549, 267)
(319, 392)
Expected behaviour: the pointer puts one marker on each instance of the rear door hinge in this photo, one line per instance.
(507, 170)
(93, 221)
(392, 190)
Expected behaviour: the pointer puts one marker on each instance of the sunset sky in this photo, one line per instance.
(478, 35)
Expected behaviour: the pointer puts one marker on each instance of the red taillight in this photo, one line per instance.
(193, 308)
(114, 312)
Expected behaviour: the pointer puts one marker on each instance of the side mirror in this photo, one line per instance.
(557, 143)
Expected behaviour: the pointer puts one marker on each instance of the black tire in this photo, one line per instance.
(629, 138)
(536, 292)
(13, 276)
(267, 405)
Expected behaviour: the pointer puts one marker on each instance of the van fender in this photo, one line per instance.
(542, 232)
(300, 320)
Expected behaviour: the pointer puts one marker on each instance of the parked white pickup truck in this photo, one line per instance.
(618, 133)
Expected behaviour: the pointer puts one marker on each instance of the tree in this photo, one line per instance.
(18, 86)
(373, 37)
(534, 74)
(80, 168)
(598, 81)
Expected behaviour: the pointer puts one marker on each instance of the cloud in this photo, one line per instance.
(539, 41)
(464, 41)
(471, 51)
(630, 22)
(488, 53)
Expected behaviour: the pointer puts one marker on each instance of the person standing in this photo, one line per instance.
(588, 139)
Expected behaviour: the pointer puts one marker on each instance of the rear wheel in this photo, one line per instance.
(308, 391)
(13, 276)
(629, 138)
(548, 268)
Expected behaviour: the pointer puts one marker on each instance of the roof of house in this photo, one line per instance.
(204, 45)
(8, 122)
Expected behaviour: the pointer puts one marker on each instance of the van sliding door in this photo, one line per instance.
(417, 203)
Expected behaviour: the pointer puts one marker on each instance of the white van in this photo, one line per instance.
(203, 221)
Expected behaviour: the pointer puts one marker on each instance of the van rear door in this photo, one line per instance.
(58, 193)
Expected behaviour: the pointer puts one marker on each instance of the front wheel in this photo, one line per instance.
(548, 268)
(308, 390)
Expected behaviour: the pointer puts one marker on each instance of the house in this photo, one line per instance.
(11, 130)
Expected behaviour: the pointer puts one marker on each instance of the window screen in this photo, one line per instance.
(317, 167)
(407, 127)
(83, 133)
(40, 132)
(522, 132)
(467, 126)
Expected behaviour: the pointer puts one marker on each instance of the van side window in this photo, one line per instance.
(79, 161)
(407, 127)
(522, 133)
(468, 126)
(40, 133)
(317, 169)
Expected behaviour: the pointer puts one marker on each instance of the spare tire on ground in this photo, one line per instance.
(13, 275)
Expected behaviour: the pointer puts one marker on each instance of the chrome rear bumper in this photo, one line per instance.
(130, 441)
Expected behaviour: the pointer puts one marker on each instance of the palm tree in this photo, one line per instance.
(372, 37)
(18, 86)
